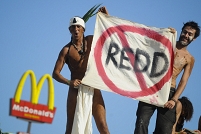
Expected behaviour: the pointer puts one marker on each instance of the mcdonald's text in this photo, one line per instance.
(35, 112)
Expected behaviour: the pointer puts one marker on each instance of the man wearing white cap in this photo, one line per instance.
(75, 54)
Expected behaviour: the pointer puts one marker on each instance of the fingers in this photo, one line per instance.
(170, 104)
(76, 82)
(172, 30)
(197, 131)
(103, 10)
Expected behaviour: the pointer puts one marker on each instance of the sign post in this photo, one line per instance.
(29, 127)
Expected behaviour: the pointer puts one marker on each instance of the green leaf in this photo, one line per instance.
(90, 13)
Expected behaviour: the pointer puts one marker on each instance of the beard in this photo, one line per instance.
(185, 43)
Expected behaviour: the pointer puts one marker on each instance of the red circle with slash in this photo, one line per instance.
(119, 30)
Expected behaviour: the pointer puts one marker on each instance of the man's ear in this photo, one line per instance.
(69, 29)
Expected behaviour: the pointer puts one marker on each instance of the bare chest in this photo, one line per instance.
(181, 58)
(76, 61)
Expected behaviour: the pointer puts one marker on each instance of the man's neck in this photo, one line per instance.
(180, 46)
(78, 42)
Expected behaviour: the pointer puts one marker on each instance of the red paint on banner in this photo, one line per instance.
(120, 29)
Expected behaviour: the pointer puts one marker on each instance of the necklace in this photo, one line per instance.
(81, 52)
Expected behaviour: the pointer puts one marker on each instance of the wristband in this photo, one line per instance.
(174, 100)
(68, 82)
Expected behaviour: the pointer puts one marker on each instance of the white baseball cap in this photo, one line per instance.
(77, 21)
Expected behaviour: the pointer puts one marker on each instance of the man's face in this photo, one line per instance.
(187, 36)
(77, 31)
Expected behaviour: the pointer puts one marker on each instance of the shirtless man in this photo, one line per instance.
(166, 116)
(184, 113)
(75, 54)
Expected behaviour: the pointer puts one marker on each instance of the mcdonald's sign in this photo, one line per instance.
(31, 110)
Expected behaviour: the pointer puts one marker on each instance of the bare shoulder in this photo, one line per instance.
(64, 50)
(89, 39)
(179, 106)
(190, 55)
(191, 59)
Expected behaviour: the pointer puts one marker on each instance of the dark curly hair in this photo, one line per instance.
(187, 108)
(194, 25)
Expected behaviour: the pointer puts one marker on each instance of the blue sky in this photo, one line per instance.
(33, 32)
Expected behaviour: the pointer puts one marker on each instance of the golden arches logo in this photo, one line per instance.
(36, 88)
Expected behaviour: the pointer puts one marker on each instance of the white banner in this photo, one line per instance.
(131, 59)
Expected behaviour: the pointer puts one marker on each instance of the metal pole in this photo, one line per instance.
(29, 127)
